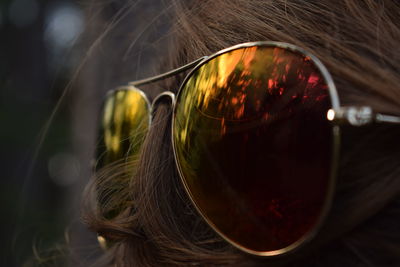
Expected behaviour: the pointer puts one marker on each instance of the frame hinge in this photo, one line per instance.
(359, 116)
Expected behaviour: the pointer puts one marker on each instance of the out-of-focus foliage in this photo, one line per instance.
(37, 57)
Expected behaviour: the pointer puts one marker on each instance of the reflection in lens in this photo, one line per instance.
(254, 147)
(124, 124)
(125, 121)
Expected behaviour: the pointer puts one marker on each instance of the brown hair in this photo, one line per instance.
(358, 41)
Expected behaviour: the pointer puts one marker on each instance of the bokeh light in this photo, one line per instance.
(64, 24)
(64, 169)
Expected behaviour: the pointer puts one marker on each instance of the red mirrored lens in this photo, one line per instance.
(253, 145)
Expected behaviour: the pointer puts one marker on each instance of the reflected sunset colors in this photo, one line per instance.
(250, 136)
(125, 121)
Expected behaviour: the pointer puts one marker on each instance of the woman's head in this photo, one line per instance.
(156, 224)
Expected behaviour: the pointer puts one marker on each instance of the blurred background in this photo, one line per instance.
(37, 56)
(45, 159)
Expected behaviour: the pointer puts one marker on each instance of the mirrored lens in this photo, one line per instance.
(124, 124)
(253, 145)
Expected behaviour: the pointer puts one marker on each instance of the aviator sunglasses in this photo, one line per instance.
(255, 136)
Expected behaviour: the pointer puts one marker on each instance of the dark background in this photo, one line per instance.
(48, 116)
(37, 56)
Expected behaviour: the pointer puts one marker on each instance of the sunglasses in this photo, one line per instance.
(255, 135)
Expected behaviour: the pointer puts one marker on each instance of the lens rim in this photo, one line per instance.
(335, 103)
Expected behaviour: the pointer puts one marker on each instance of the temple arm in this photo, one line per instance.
(358, 116)
(167, 74)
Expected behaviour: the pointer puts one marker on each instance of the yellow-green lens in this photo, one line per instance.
(125, 120)
(124, 124)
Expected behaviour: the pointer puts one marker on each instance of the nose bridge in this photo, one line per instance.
(162, 98)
